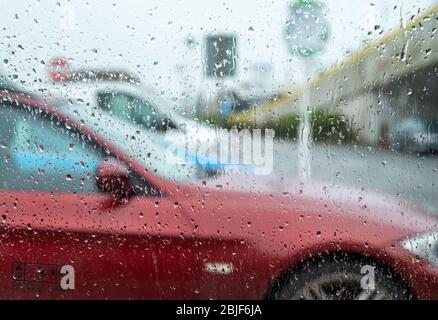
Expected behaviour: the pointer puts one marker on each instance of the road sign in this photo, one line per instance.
(307, 29)
(221, 57)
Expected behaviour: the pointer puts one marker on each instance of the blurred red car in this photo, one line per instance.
(87, 213)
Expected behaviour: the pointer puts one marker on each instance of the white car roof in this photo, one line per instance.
(87, 91)
(144, 146)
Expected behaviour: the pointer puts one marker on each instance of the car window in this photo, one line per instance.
(128, 107)
(40, 153)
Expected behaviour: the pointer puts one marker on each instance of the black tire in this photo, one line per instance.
(339, 278)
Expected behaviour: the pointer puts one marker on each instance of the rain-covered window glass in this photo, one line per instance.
(40, 153)
(222, 149)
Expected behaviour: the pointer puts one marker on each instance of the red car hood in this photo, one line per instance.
(323, 199)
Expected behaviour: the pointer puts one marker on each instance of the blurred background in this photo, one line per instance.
(361, 75)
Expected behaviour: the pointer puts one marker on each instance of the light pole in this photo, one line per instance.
(306, 33)
(304, 130)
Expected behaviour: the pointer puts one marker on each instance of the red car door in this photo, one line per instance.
(62, 238)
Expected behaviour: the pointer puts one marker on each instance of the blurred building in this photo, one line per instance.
(390, 79)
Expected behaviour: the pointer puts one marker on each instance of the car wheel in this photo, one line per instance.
(340, 279)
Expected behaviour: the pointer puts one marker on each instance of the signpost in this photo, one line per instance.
(221, 61)
(306, 34)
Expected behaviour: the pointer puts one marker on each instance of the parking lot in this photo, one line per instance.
(412, 177)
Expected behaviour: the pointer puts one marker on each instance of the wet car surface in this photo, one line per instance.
(231, 150)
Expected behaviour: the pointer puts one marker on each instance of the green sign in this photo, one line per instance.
(307, 29)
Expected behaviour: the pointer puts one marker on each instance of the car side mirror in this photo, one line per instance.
(112, 177)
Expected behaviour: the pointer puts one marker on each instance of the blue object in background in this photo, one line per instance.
(52, 163)
(225, 107)
(36, 148)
